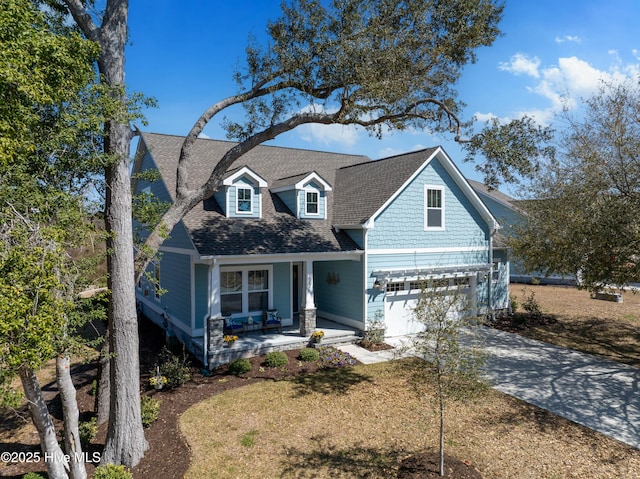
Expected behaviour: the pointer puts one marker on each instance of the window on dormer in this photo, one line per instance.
(243, 200)
(312, 205)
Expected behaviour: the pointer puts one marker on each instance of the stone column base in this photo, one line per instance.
(307, 321)
(215, 333)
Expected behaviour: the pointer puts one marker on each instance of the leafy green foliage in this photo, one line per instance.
(111, 471)
(581, 210)
(308, 355)
(376, 329)
(239, 366)
(276, 359)
(87, 430)
(149, 409)
(176, 369)
(32, 475)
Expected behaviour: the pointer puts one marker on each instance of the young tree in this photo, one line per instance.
(381, 65)
(581, 216)
(451, 361)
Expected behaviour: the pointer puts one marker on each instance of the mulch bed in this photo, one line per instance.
(518, 322)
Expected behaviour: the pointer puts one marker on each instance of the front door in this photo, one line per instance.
(295, 287)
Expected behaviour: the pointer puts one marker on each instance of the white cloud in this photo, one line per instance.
(204, 135)
(346, 135)
(569, 38)
(521, 64)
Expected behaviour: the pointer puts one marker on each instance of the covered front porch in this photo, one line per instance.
(257, 343)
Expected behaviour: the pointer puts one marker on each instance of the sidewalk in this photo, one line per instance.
(599, 394)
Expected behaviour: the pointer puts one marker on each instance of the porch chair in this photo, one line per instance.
(271, 320)
(233, 327)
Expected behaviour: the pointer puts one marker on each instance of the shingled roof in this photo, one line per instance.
(361, 189)
(278, 231)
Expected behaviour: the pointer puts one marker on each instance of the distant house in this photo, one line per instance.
(315, 236)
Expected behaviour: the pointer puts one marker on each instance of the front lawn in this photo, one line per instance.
(361, 422)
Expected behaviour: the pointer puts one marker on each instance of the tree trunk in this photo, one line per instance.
(125, 437)
(71, 413)
(441, 436)
(53, 455)
(103, 395)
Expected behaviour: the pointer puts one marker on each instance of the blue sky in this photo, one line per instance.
(184, 54)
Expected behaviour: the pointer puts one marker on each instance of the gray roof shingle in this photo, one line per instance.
(278, 231)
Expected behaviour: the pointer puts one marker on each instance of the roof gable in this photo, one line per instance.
(363, 191)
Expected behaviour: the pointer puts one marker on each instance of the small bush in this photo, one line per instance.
(32, 475)
(376, 329)
(111, 471)
(276, 359)
(513, 301)
(309, 355)
(331, 357)
(87, 430)
(239, 366)
(531, 306)
(149, 409)
(175, 369)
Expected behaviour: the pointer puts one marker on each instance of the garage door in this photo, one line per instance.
(401, 298)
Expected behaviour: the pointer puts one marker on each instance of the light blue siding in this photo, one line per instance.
(282, 289)
(289, 198)
(343, 298)
(201, 294)
(401, 224)
(175, 278)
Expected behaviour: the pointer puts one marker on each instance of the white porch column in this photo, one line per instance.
(215, 322)
(214, 297)
(308, 313)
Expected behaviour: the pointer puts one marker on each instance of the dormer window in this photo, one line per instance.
(241, 197)
(312, 203)
(244, 200)
(304, 194)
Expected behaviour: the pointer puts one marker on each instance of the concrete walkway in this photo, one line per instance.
(599, 394)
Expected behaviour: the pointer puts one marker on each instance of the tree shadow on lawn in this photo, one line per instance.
(328, 381)
(357, 461)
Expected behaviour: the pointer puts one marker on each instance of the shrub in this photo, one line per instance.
(276, 359)
(513, 301)
(239, 366)
(331, 357)
(376, 330)
(175, 369)
(32, 475)
(87, 430)
(309, 355)
(149, 409)
(111, 471)
(531, 306)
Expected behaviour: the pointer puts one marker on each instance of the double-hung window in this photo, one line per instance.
(434, 208)
(243, 199)
(312, 203)
(244, 290)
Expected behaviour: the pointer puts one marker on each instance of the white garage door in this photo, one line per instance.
(401, 299)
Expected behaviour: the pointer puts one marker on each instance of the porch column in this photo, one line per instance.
(216, 322)
(308, 312)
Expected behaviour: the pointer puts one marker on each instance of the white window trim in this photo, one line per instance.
(245, 287)
(426, 209)
(251, 195)
(306, 207)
